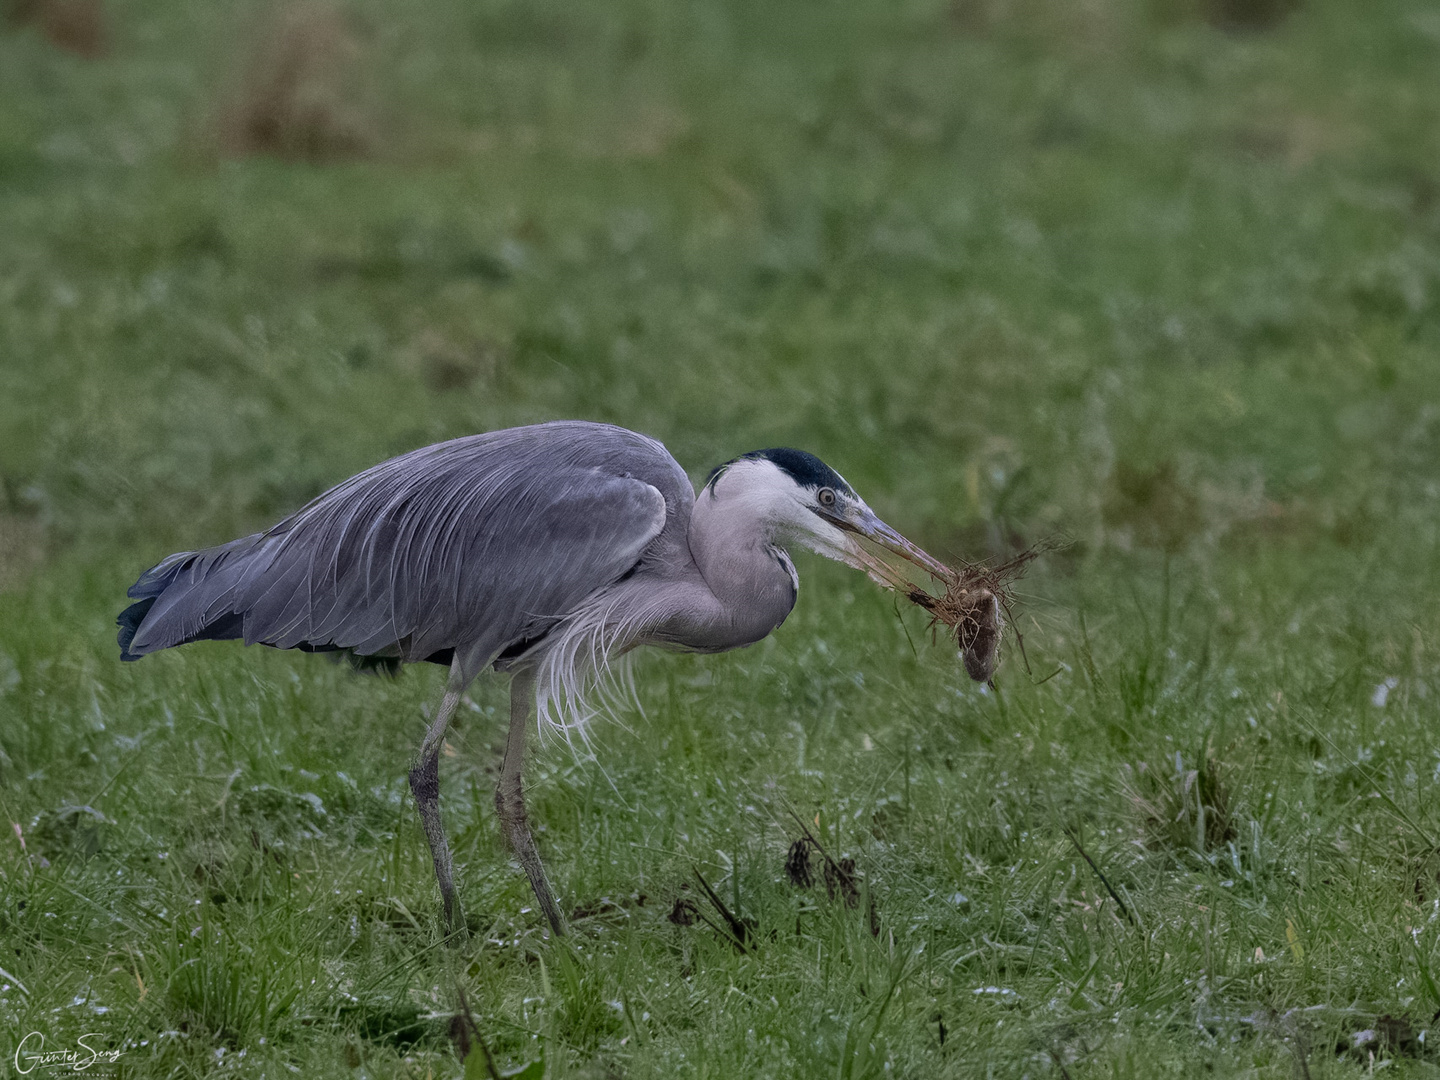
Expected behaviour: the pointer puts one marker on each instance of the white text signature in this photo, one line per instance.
(31, 1055)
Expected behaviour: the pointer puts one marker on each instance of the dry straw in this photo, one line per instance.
(77, 26)
(299, 93)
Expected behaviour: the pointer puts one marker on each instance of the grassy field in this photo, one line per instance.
(1159, 276)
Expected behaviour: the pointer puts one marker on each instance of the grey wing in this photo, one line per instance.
(472, 545)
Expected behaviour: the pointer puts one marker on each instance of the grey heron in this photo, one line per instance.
(545, 551)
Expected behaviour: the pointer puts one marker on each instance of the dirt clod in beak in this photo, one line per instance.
(973, 607)
(977, 596)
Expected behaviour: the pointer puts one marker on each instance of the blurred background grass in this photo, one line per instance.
(1000, 259)
(1159, 275)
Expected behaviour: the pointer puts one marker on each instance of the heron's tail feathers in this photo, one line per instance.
(245, 590)
(129, 621)
(175, 603)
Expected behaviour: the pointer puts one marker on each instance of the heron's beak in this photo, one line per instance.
(861, 521)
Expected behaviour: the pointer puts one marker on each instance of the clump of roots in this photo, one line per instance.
(974, 606)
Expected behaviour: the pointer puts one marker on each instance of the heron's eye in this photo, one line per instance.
(826, 497)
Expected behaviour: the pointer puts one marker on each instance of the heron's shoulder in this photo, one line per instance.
(502, 463)
(573, 441)
(650, 503)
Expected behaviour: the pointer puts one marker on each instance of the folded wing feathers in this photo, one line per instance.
(489, 537)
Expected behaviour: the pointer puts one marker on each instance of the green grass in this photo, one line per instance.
(1017, 269)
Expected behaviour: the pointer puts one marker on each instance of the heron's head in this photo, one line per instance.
(797, 498)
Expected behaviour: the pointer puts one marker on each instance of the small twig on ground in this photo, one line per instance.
(738, 931)
(1074, 839)
(686, 912)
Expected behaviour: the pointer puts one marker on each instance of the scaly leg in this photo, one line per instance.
(510, 799)
(425, 783)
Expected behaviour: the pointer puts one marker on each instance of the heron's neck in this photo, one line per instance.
(741, 562)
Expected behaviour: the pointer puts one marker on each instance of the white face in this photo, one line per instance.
(824, 519)
(762, 491)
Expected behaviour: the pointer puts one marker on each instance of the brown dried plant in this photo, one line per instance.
(77, 26)
(299, 93)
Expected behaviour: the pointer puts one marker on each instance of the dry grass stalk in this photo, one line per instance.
(77, 26)
(298, 95)
(732, 927)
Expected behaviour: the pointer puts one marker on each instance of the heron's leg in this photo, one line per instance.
(510, 799)
(425, 783)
